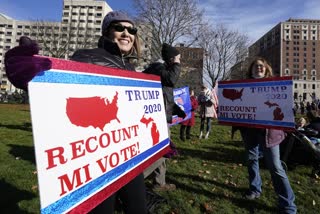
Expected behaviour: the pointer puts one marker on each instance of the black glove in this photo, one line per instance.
(178, 111)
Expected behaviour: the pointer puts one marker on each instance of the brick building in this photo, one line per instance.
(191, 67)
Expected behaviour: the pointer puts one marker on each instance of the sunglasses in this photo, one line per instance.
(121, 28)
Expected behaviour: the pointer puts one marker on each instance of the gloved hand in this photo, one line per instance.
(178, 111)
(20, 64)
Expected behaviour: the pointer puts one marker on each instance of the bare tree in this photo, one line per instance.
(223, 48)
(169, 21)
(60, 41)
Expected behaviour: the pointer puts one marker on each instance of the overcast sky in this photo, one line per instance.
(253, 17)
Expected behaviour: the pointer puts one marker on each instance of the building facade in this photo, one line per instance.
(293, 49)
(80, 27)
(191, 67)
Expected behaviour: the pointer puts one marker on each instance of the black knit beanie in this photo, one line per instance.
(168, 52)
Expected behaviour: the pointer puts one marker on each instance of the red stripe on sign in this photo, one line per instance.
(256, 80)
(256, 126)
(69, 65)
(99, 197)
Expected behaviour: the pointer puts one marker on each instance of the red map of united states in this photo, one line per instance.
(92, 111)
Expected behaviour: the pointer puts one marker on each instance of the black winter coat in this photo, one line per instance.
(169, 75)
(107, 54)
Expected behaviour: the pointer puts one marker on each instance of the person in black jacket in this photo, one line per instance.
(169, 71)
(118, 44)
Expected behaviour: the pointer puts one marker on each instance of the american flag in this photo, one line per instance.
(216, 101)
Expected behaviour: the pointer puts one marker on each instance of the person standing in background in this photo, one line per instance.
(169, 71)
(207, 112)
(185, 126)
(268, 140)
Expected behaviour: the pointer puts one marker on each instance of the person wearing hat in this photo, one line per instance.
(169, 71)
(206, 101)
(118, 44)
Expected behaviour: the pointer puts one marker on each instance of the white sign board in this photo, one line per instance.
(95, 129)
(265, 103)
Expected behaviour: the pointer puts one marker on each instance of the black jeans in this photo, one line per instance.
(132, 197)
(206, 120)
(185, 129)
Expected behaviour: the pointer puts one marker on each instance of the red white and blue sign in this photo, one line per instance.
(264, 103)
(182, 99)
(94, 129)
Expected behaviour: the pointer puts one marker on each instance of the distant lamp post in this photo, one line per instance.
(300, 97)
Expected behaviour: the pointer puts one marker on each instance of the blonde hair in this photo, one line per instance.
(265, 63)
(302, 121)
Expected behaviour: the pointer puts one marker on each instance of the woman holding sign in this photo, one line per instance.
(269, 140)
(119, 43)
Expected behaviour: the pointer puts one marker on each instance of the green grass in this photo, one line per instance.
(210, 175)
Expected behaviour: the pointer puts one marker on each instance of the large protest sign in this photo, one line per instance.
(95, 129)
(182, 99)
(265, 103)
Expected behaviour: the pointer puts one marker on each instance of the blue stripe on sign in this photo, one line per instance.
(65, 203)
(262, 122)
(71, 78)
(256, 84)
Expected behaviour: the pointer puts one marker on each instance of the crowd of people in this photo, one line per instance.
(303, 107)
(117, 46)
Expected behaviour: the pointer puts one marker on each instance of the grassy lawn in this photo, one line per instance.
(210, 175)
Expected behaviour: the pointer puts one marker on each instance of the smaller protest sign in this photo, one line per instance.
(265, 103)
(182, 99)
